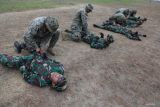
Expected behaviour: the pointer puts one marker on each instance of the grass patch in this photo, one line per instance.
(115, 1)
(20, 5)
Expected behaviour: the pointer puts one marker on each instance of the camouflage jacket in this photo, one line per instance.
(80, 20)
(35, 34)
(118, 17)
(34, 68)
(95, 41)
(121, 10)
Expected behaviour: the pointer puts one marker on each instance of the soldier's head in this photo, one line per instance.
(51, 24)
(89, 8)
(59, 82)
(133, 12)
(109, 38)
(126, 12)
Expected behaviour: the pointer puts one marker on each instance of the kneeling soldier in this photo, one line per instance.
(79, 25)
(41, 31)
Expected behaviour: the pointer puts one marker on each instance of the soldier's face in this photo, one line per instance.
(54, 77)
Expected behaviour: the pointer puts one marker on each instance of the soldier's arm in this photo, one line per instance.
(84, 21)
(31, 34)
(13, 61)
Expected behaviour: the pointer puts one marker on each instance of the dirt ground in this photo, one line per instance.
(126, 74)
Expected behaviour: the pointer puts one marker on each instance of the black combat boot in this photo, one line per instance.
(18, 47)
(102, 35)
(144, 35)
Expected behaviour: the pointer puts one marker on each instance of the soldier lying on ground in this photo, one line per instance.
(37, 70)
(96, 41)
(41, 31)
(127, 18)
(109, 25)
(79, 30)
(80, 24)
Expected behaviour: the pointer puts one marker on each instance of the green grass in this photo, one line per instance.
(111, 1)
(20, 5)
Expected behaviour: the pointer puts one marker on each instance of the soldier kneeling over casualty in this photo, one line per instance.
(110, 26)
(132, 17)
(42, 30)
(95, 41)
(37, 70)
(127, 18)
(79, 25)
(79, 30)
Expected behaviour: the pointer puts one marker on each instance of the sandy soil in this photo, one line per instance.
(126, 74)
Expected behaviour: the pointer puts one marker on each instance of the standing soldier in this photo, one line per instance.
(42, 30)
(79, 25)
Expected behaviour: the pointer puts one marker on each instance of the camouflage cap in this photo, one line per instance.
(61, 84)
(133, 11)
(52, 24)
(89, 7)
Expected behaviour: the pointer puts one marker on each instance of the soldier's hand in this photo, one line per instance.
(38, 50)
(42, 50)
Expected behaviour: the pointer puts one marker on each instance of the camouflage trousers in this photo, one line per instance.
(48, 41)
(97, 42)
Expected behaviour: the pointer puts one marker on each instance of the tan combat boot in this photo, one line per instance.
(65, 36)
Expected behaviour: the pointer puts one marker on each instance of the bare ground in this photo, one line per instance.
(126, 74)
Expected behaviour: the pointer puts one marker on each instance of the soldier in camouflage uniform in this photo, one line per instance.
(37, 70)
(130, 20)
(41, 31)
(109, 25)
(79, 25)
(120, 17)
(95, 41)
(98, 42)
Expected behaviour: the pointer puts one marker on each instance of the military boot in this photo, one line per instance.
(65, 36)
(18, 47)
(50, 50)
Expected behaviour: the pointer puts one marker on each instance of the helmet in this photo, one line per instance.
(133, 12)
(89, 7)
(52, 24)
(126, 12)
(110, 38)
(61, 84)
